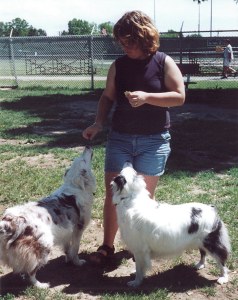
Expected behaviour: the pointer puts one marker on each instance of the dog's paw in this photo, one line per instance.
(134, 283)
(79, 262)
(222, 280)
(41, 285)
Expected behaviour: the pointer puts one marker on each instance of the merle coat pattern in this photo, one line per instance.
(29, 231)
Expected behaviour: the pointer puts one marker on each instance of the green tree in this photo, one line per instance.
(78, 27)
(108, 26)
(170, 34)
(20, 27)
(6, 29)
(36, 32)
(2, 29)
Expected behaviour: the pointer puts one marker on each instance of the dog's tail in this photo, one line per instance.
(11, 227)
(224, 237)
(220, 231)
(217, 242)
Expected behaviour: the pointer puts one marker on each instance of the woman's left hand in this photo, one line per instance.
(136, 98)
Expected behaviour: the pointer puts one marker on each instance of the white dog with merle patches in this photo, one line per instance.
(150, 229)
(29, 231)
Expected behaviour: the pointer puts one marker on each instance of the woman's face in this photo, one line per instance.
(132, 50)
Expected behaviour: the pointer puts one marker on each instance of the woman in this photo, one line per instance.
(142, 85)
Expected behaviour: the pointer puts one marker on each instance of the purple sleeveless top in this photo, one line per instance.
(140, 75)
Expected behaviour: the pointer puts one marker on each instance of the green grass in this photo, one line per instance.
(214, 84)
(161, 294)
(83, 85)
(45, 294)
(201, 167)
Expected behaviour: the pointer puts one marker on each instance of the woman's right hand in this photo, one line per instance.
(90, 132)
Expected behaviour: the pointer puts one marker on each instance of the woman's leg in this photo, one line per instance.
(151, 183)
(120, 149)
(109, 213)
(231, 70)
(110, 226)
(110, 217)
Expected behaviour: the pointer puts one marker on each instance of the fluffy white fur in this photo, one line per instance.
(150, 229)
(29, 231)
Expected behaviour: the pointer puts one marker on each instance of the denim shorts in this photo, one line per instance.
(147, 153)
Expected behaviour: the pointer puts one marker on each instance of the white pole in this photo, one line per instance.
(211, 21)
(92, 29)
(199, 17)
(11, 32)
(154, 14)
(12, 61)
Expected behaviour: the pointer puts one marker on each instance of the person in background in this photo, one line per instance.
(227, 60)
(141, 86)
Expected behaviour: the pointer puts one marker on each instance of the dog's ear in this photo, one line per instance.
(120, 182)
(81, 179)
(15, 226)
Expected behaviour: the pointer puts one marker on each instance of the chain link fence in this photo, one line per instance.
(83, 61)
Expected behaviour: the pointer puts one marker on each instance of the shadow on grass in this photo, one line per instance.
(204, 144)
(62, 117)
(96, 281)
(197, 144)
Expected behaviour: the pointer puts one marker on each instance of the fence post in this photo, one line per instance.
(12, 58)
(91, 60)
(180, 46)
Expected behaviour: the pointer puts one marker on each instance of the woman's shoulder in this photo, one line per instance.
(160, 55)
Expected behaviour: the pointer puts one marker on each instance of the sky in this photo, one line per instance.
(53, 15)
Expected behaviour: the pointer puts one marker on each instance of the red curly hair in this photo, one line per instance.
(135, 27)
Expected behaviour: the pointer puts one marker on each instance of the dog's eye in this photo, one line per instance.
(7, 228)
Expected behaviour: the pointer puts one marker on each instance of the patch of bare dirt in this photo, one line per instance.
(40, 161)
(19, 142)
(89, 282)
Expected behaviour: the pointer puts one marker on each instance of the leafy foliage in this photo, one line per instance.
(170, 34)
(78, 27)
(20, 28)
(82, 27)
(108, 26)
